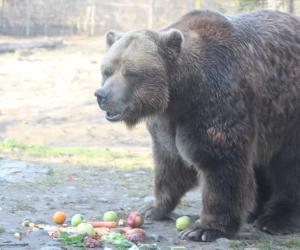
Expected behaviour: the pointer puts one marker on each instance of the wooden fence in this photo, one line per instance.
(94, 17)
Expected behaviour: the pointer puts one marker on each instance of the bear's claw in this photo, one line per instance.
(198, 234)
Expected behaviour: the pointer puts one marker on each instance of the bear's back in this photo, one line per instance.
(256, 55)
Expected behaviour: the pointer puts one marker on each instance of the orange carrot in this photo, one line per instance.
(107, 224)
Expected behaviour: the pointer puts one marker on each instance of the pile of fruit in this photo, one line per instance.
(121, 234)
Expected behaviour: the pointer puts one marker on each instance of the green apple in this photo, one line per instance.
(77, 219)
(110, 216)
(183, 223)
(86, 228)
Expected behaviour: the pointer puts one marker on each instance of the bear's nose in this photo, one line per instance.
(101, 97)
(100, 93)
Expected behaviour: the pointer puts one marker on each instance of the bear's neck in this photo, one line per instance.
(196, 78)
(186, 84)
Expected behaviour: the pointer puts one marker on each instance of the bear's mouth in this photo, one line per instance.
(114, 116)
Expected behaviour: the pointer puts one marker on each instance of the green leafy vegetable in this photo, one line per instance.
(75, 240)
(118, 240)
(178, 248)
(149, 247)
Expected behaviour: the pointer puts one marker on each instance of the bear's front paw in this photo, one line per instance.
(151, 212)
(154, 213)
(158, 214)
(200, 234)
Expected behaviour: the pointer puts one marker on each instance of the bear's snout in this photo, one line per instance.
(101, 97)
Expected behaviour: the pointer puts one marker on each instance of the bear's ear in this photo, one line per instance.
(112, 37)
(172, 40)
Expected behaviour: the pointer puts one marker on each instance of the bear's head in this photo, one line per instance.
(135, 74)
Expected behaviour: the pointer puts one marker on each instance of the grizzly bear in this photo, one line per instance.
(221, 99)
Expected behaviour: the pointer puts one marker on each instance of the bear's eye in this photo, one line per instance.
(107, 72)
(131, 74)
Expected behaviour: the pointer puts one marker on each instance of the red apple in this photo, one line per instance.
(135, 219)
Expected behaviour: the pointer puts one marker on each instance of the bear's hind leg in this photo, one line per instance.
(263, 192)
(282, 212)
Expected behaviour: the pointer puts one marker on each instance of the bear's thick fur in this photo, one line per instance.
(221, 97)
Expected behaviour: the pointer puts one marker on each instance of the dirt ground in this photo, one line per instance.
(47, 97)
(36, 192)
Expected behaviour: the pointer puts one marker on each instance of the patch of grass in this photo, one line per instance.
(267, 245)
(293, 243)
(76, 155)
(237, 244)
(2, 230)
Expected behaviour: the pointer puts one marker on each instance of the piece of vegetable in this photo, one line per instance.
(75, 240)
(122, 223)
(91, 243)
(136, 235)
(183, 223)
(86, 228)
(107, 224)
(77, 219)
(102, 230)
(25, 223)
(110, 216)
(118, 240)
(59, 217)
(135, 219)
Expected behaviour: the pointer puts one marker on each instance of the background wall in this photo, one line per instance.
(95, 17)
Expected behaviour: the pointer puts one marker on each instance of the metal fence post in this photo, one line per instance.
(92, 28)
(291, 6)
(27, 18)
(150, 14)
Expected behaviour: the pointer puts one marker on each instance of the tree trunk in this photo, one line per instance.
(13, 46)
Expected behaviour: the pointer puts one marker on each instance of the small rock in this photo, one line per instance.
(18, 235)
(222, 244)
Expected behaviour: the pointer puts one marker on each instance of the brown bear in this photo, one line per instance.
(221, 98)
